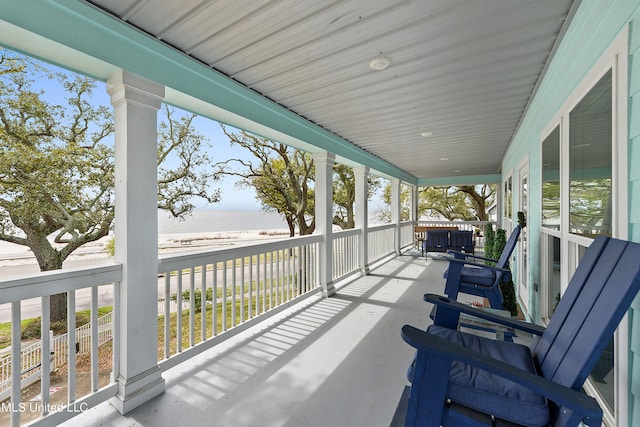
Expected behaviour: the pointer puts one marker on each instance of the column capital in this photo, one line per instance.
(126, 86)
(324, 157)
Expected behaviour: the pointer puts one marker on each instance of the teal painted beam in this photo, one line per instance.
(93, 32)
(460, 180)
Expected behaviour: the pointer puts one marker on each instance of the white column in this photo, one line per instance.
(361, 175)
(414, 204)
(324, 218)
(136, 102)
(395, 212)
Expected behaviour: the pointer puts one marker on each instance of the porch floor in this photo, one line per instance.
(338, 361)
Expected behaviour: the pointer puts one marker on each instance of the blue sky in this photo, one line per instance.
(232, 196)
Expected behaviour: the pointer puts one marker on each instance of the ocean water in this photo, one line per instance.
(212, 221)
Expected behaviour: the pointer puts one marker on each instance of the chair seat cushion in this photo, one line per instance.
(476, 276)
(492, 394)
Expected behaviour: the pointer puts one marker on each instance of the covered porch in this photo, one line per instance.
(323, 361)
(302, 331)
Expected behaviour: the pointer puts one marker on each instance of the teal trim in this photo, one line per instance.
(461, 180)
(90, 31)
(595, 25)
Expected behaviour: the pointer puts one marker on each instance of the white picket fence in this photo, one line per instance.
(31, 356)
(173, 305)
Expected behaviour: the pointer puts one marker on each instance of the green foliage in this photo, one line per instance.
(197, 297)
(30, 328)
(509, 294)
(344, 195)
(110, 247)
(384, 214)
(500, 242)
(465, 202)
(522, 220)
(56, 167)
(507, 287)
(489, 240)
(283, 179)
(57, 161)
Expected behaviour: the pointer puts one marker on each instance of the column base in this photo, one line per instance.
(133, 392)
(328, 290)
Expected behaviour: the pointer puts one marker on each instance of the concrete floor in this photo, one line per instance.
(325, 362)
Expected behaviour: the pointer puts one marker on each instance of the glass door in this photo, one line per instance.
(523, 248)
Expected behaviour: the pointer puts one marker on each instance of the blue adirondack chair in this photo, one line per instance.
(437, 241)
(461, 241)
(460, 379)
(479, 279)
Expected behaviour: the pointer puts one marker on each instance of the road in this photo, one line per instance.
(32, 308)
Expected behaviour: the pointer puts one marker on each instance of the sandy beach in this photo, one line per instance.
(12, 255)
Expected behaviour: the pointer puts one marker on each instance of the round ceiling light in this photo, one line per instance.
(380, 63)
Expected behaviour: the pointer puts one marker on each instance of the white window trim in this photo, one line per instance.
(614, 58)
(506, 221)
(524, 163)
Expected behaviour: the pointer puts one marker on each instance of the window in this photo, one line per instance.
(583, 180)
(508, 197)
(552, 270)
(590, 161)
(551, 180)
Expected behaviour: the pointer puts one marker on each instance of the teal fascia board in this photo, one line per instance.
(92, 32)
(460, 180)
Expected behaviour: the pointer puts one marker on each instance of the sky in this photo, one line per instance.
(233, 198)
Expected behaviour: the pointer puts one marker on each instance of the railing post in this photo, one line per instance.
(136, 102)
(395, 214)
(361, 174)
(324, 218)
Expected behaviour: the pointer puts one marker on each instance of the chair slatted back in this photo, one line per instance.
(598, 296)
(509, 247)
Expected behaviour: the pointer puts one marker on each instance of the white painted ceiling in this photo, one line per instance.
(462, 70)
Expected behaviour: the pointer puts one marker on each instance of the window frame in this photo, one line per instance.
(615, 58)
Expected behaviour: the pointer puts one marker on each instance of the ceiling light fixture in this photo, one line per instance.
(426, 134)
(380, 63)
(444, 158)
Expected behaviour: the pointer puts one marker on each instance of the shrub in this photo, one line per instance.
(197, 297)
(506, 287)
(489, 237)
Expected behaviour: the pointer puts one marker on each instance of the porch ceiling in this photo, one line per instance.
(462, 70)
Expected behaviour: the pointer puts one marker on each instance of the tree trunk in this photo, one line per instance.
(58, 307)
(50, 259)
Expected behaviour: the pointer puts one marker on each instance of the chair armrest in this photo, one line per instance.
(449, 304)
(466, 255)
(477, 264)
(575, 400)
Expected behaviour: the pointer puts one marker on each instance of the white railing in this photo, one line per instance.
(217, 295)
(345, 253)
(381, 241)
(76, 282)
(406, 234)
(31, 355)
(229, 288)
